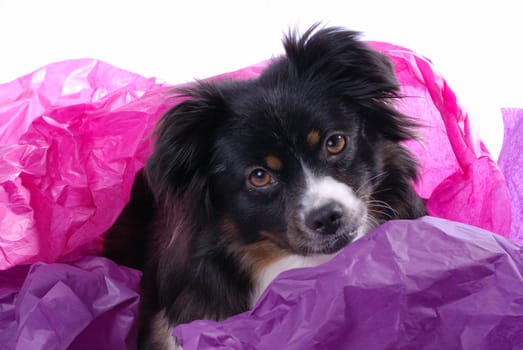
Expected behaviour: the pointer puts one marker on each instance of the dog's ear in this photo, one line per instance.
(181, 158)
(339, 60)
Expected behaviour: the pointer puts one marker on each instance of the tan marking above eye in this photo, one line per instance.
(335, 144)
(313, 137)
(273, 162)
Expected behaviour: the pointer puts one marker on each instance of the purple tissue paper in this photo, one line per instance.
(422, 284)
(511, 164)
(89, 304)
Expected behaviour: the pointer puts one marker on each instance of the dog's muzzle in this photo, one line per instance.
(329, 216)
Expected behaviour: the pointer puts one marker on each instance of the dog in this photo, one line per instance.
(251, 178)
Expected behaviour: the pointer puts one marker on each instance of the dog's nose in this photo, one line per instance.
(325, 220)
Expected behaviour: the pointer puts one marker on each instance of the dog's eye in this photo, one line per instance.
(335, 144)
(260, 178)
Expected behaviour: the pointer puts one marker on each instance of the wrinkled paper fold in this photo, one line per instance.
(74, 133)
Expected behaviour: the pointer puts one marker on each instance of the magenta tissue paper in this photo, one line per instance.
(74, 133)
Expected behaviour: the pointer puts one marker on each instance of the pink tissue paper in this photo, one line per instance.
(72, 136)
(74, 133)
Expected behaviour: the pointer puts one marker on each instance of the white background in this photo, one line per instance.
(476, 45)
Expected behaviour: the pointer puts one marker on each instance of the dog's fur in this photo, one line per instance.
(250, 178)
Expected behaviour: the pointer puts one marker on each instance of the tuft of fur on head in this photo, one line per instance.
(250, 178)
(337, 58)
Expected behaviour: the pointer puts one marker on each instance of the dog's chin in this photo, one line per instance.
(330, 244)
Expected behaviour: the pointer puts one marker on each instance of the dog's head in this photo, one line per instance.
(306, 157)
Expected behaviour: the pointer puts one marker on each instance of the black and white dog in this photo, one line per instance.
(251, 178)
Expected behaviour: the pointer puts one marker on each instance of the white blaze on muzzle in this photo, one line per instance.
(322, 191)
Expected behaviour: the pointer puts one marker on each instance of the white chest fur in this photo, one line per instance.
(271, 271)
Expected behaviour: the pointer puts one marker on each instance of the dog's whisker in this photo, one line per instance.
(381, 204)
(369, 180)
(375, 193)
(383, 213)
(372, 221)
(382, 209)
